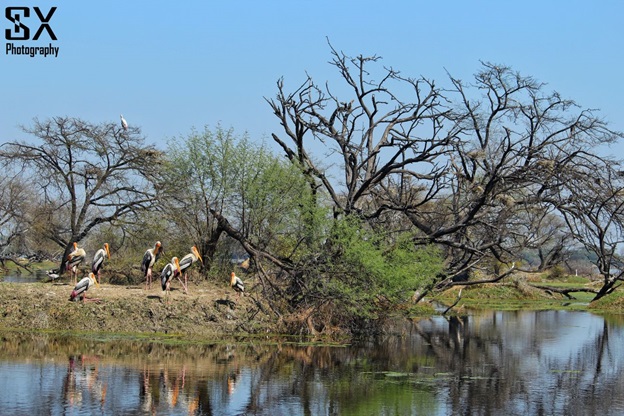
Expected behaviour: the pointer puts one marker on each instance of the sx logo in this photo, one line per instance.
(20, 30)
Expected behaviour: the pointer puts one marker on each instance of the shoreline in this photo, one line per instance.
(208, 311)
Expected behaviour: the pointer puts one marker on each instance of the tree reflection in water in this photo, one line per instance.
(488, 363)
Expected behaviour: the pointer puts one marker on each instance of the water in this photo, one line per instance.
(38, 276)
(490, 363)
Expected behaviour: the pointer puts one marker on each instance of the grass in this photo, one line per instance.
(10, 267)
(522, 293)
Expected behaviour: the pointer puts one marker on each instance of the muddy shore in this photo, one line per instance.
(207, 311)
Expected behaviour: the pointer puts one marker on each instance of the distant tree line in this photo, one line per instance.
(387, 190)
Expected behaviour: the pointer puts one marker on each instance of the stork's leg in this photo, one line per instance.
(183, 285)
(168, 294)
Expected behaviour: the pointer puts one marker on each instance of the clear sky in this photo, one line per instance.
(169, 67)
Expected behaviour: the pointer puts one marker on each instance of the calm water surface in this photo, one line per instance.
(490, 363)
(38, 276)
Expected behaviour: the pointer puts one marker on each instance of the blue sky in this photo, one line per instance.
(169, 68)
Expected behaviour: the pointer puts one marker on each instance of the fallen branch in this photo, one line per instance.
(564, 291)
(480, 282)
(18, 263)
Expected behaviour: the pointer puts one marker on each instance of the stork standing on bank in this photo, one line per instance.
(80, 290)
(149, 258)
(170, 270)
(186, 263)
(237, 284)
(98, 260)
(124, 123)
(74, 259)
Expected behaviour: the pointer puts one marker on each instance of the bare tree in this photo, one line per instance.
(592, 204)
(515, 147)
(85, 175)
(14, 205)
(373, 140)
(544, 235)
(473, 167)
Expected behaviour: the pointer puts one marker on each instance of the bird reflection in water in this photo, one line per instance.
(164, 388)
(147, 402)
(232, 378)
(83, 377)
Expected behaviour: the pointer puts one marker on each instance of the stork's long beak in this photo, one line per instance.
(177, 264)
(198, 255)
(107, 250)
(95, 278)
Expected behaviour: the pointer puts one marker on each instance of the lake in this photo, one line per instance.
(487, 363)
(38, 276)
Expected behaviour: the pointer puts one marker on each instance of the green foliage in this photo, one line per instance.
(263, 196)
(274, 204)
(370, 274)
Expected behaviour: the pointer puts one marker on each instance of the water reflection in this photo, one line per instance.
(24, 277)
(556, 363)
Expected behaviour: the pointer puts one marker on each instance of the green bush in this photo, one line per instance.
(371, 274)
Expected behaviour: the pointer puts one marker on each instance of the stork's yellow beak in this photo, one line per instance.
(96, 280)
(198, 255)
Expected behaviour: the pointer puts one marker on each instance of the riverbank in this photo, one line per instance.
(212, 311)
(208, 311)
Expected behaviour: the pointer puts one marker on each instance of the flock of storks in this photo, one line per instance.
(176, 268)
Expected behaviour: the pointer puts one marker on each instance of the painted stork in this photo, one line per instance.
(186, 263)
(98, 260)
(124, 123)
(74, 259)
(171, 269)
(80, 290)
(237, 284)
(149, 258)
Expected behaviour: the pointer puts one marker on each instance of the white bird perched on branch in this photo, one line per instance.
(124, 123)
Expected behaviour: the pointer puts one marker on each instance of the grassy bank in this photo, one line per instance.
(212, 311)
(533, 294)
(208, 311)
